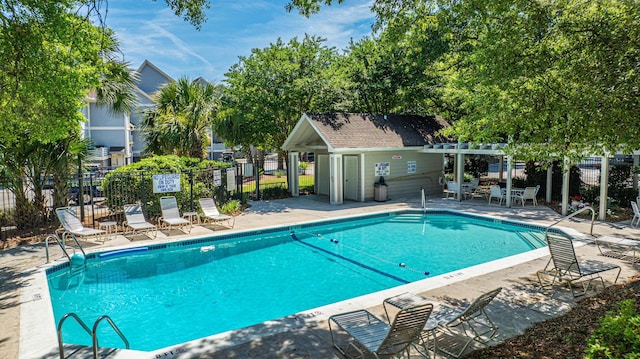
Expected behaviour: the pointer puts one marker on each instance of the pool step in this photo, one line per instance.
(535, 239)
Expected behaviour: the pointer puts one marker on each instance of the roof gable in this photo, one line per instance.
(151, 77)
(350, 130)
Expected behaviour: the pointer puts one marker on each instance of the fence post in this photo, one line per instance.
(256, 170)
(143, 198)
(93, 206)
(191, 187)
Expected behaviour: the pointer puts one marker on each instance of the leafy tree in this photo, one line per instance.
(268, 91)
(178, 125)
(560, 76)
(51, 56)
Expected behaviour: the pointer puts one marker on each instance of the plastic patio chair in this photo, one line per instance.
(496, 192)
(528, 194)
(636, 214)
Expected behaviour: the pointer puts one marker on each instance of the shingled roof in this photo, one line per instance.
(355, 130)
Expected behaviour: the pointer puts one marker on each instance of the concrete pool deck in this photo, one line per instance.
(306, 335)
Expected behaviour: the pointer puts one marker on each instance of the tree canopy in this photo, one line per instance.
(178, 124)
(560, 76)
(268, 91)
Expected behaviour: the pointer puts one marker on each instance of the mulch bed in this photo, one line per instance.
(566, 336)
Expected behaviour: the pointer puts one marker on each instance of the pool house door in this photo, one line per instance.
(350, 178)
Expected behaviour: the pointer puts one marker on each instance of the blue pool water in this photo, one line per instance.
(172, 293)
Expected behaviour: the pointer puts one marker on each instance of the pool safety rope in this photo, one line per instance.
(333, 240)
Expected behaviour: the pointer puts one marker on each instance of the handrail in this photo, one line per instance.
(74, 316)
(46, 246)
(94, 335)
(62, 246)
(593, 218)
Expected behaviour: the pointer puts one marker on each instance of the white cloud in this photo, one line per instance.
(234, 28)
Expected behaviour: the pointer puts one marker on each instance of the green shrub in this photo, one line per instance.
(134, 182)
(619, 334)
(277, 192)
(233, 206)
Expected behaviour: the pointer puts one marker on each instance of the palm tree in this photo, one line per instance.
(178, 124)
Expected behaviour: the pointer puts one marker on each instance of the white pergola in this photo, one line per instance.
(462, 149)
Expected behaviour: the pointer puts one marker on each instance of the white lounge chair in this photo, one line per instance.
(496, 192)
(564, 266)
(529, 193)
(71, 224)
(211, 213)
(136, 222)
(171, 215)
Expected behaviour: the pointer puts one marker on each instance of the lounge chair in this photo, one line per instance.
(464, 327)
(636, 214)
(71, 224)
(529, 193)
(369, 334)
(496, 192)
(453, 329)
(618, 247)
(171, 215)
(136, 222)
(564, 266)
(211, 213)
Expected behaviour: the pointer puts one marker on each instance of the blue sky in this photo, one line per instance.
(149, 30)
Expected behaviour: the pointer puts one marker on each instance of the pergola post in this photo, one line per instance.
(294, 179)
(565, 186)
(460, 173)
(509, 178)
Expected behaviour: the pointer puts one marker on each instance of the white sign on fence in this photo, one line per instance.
(231, 179)
(166, 183)
(217, 178)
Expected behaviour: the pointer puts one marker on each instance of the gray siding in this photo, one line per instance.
(153, 80)
(400, 183)
(101, 116)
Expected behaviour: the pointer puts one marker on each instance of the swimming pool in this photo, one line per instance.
(171, 293)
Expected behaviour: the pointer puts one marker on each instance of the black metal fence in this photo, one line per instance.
(99, 196)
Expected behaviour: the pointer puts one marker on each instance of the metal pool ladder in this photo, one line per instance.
(93, 333)
(62, 246)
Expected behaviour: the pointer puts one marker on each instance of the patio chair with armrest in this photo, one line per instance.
(496, 192)
(72, 225)
(564, 266)
(368, 334)
(529, 193)
(171, 215)
(211, 213)
(453, 188)
(136, 222)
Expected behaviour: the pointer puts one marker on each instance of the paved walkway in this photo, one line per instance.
(520, 304)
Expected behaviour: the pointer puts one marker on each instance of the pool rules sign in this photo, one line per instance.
(166, 183)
